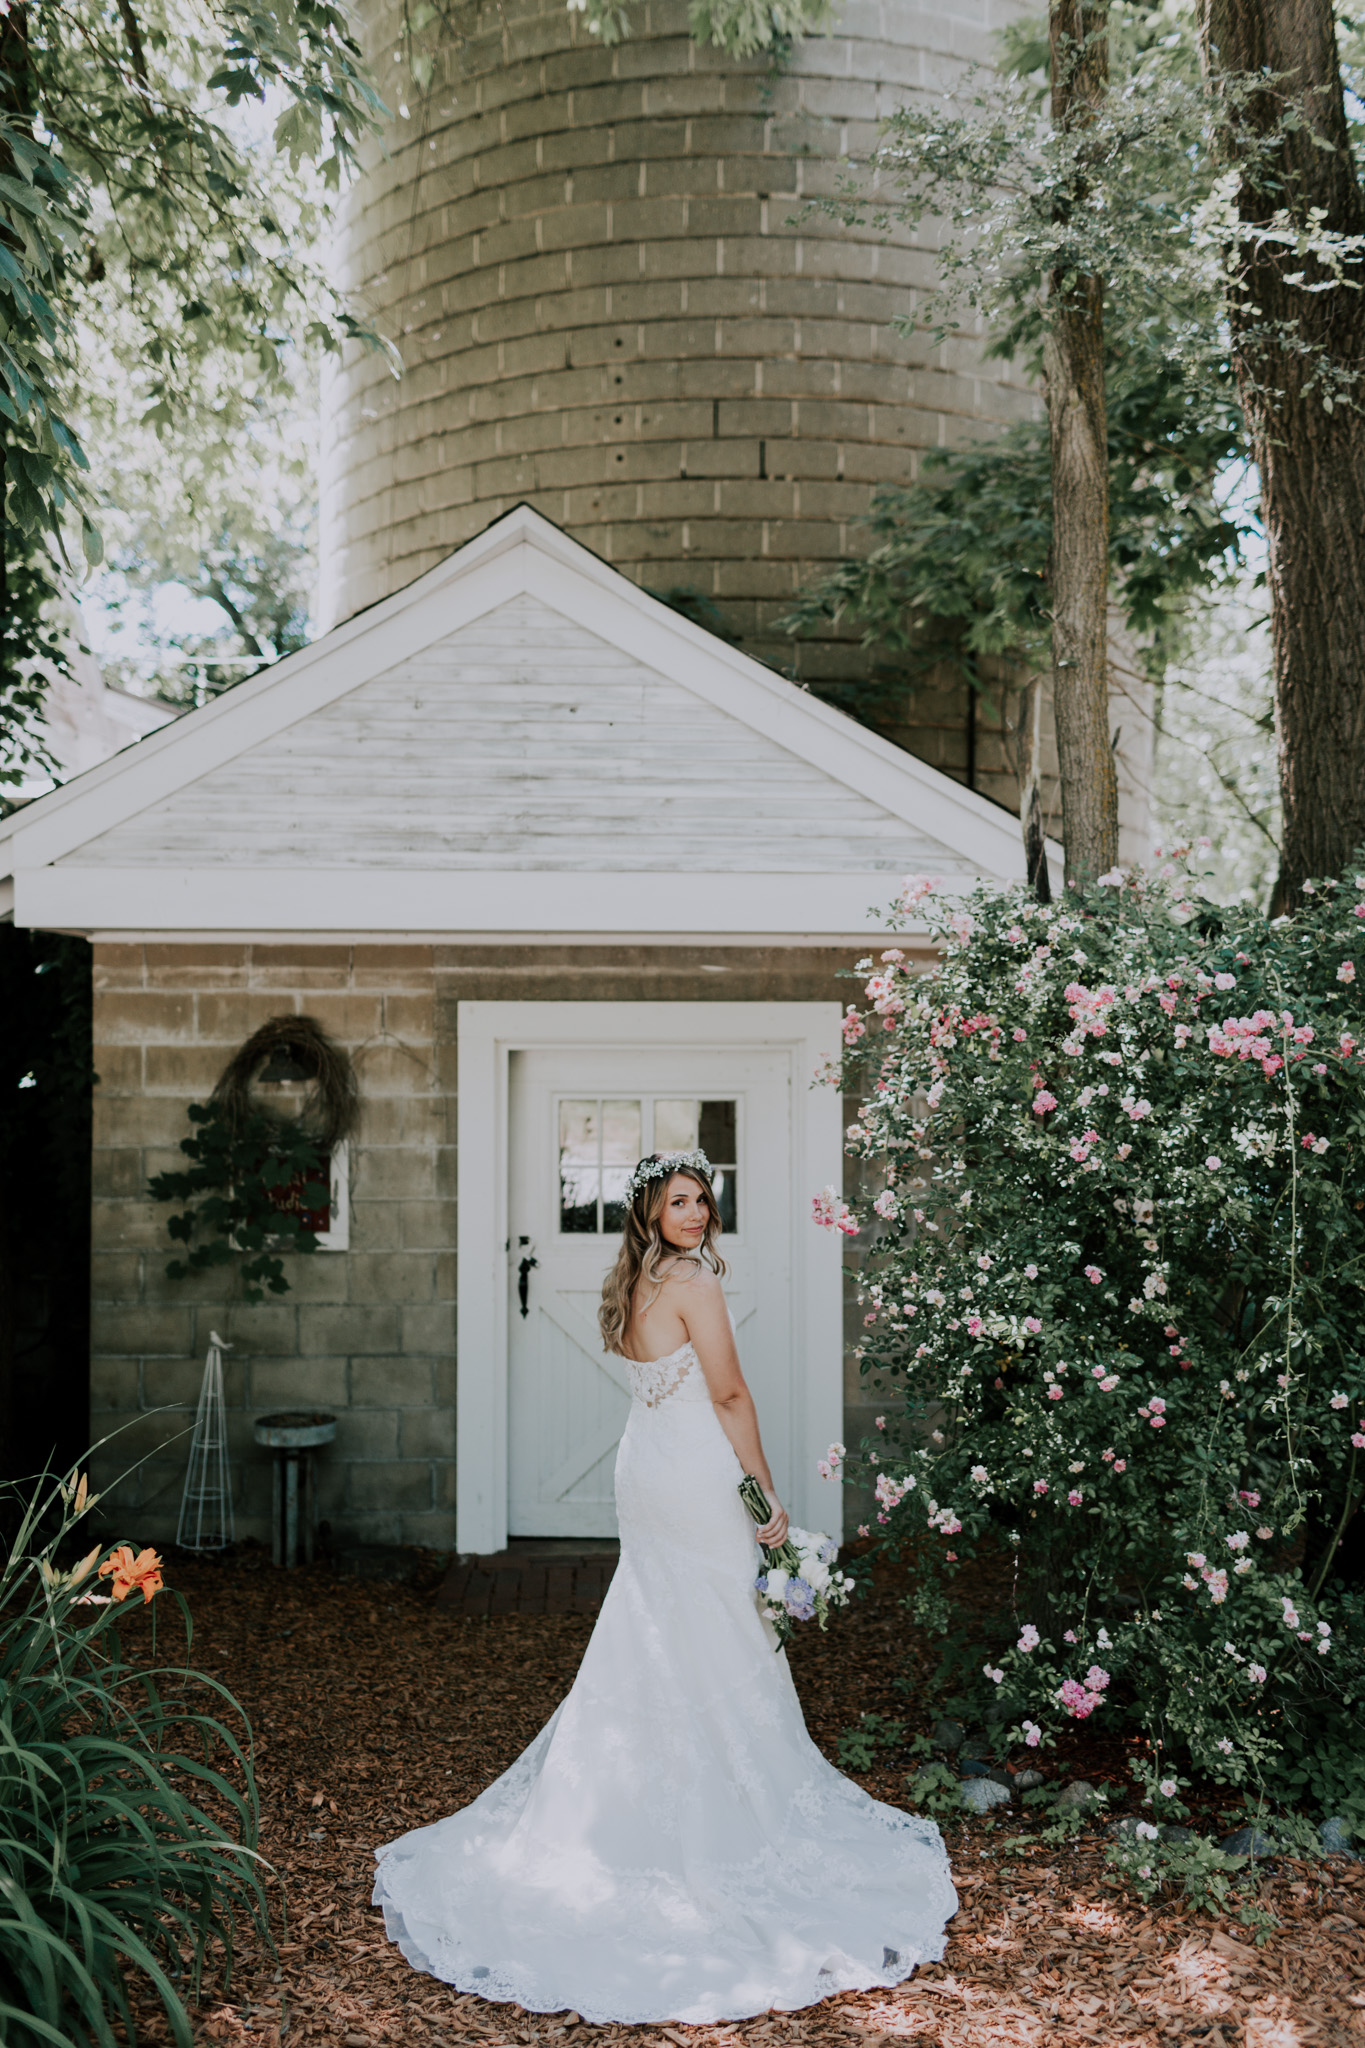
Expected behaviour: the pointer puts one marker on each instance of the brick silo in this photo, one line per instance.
(610, 304)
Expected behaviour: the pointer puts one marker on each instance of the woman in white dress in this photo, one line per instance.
(673, 1846)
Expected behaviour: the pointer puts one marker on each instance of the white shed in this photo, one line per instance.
(569, 878)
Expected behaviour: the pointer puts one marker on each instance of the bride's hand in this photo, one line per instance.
(774, 1533)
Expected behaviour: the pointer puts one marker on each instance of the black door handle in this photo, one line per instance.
(524, 1271)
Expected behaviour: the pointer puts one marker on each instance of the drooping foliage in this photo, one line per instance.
(127, 173)
(254, 1182)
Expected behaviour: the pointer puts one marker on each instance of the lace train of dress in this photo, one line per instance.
(672, 1846)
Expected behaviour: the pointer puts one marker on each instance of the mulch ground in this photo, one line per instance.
(375, 1710)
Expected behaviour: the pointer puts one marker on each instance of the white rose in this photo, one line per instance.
(777, 1582)
(815, 1574)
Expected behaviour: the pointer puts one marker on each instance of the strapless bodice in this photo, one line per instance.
(677, 1377)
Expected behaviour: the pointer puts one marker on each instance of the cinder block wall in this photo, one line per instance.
(368, 1334)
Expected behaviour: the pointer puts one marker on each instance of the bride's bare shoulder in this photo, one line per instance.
(691, 1285)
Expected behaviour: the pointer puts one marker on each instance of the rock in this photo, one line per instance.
(1173, 1836)
(1247, 1842)
(998, 1775)
(1079, 1793)
(974, 1767)
(979, 1746)
(993, 1716)
(947, 1735)
(1336, 1838)
(1024, 1781)
(979, 1795)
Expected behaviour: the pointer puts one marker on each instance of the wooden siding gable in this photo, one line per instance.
(523, 741)
(527, 719)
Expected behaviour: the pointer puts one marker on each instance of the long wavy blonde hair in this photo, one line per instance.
(644, 1250)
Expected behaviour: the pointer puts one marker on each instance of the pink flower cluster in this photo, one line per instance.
(885, 997)
(1248, 1038)
(853, 1026)
(1087, 1008)
(1079, 1700)
(914, 889)
(831, 1212)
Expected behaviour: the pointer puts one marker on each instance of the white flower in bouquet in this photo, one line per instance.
(797, 1582)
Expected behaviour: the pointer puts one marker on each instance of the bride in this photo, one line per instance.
(673, 1846)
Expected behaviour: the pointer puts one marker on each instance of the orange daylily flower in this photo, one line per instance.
(140, 1574)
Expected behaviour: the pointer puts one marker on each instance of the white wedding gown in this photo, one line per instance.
(672, 1846)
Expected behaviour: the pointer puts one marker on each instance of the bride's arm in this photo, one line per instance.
(701, 1305)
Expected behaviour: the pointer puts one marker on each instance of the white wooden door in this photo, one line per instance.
(580, 1118)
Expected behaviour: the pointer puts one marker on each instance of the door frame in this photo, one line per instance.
(489, 1033)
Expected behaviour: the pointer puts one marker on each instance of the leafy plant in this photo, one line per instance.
(743, 27)
(936, 1788)
(253, 1178)
(858, 1746)
(1148, 1865)
(955, 571)
(1064, 1825)
(32, 650)
(1113, 1159)
(128, 1811)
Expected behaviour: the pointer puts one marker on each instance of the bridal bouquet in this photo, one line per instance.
(798, 1582)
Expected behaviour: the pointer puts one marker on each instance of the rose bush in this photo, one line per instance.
(1113, 1231)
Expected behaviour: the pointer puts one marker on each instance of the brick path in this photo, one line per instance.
(529, 1578)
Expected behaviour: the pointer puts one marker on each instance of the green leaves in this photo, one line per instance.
(251, 1180)
(744, 28)
(185, 233)
(1113, 1242)
(128, 1809)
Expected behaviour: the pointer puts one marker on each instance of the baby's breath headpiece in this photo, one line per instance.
(660, 1164)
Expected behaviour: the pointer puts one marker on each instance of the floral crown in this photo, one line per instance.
(660, 1164)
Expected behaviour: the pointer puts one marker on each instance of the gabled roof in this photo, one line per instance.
(522, 740)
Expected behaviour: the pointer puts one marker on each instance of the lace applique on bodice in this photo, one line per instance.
(677, 1377)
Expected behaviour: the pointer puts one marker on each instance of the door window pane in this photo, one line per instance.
(599, 1143)
(620, 1151)
(716, 1124)
(675, 1126)
(685, 1126)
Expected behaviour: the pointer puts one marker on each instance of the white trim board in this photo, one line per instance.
(332, 900)
(913, 938)
(489, 1033)
(520, 553)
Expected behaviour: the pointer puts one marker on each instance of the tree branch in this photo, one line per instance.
(134, 35)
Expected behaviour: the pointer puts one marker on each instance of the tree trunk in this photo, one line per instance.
(1311, 459)
(1078, 568)
(1030, 734)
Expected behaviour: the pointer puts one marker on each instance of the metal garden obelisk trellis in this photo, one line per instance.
(206, 1506)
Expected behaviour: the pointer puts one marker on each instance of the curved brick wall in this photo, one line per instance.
(589, 261)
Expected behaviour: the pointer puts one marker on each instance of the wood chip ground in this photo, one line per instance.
(376, 1711)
